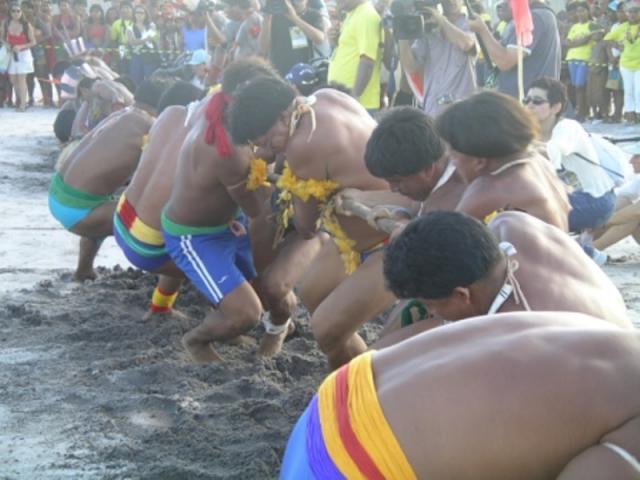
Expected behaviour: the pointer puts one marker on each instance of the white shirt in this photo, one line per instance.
(568, 138)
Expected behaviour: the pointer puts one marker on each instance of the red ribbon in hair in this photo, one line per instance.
(216, 132)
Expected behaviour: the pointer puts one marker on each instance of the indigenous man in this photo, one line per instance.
(205, 220)
(136, 222)
(458, 268)
(518, 395)
(406, 150)
(81, 192)
(323, 138)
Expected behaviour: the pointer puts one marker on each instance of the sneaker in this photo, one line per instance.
(599, 257)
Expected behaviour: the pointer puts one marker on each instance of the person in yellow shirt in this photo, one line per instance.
(358, 53)
(119, 34)
(579, 41)
(627, 36)
(503, 10)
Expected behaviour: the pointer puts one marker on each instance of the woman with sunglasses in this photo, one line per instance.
(20, 37)
(575, 158)
(142, 37)
(627, 35)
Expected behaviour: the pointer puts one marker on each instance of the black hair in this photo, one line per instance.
(150, 91)
(556, 91)
(437, 253)
(97, 7)
(125, 4)
(488, 125)
(85, 82)
(244, 70)
(58, 69)
(256, 106)
(63, 123)
(403, 143)
(180, 93)
(128, 82)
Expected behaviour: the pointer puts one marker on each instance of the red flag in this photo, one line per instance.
(522, 21)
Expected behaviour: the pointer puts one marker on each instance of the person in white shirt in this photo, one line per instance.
(575, 159)
(626, 219)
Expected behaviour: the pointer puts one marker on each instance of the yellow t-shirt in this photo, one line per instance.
(118, 31)
(583, 52)
(630, 56)
(500, 27)
(361, 35)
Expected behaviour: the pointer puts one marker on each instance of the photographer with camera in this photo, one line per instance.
(541, 57)
(290, 33)
(443, 50)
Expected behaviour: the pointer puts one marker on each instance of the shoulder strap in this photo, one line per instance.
(613, 172)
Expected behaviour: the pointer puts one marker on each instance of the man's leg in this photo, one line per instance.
(95, 227)
(276, 285)
(88, 250)
(163, 298)
(357, 299)
(238, 312)
(622, 224)
(323, 276)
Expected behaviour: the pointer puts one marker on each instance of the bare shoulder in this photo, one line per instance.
(479, 198)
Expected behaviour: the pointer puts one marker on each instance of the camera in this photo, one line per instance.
(408, 18)
(275, 7)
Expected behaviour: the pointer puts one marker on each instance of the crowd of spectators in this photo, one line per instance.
(591, 47)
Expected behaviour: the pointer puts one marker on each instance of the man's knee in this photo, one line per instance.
(241, 315)
(326, 329)
(274, 287)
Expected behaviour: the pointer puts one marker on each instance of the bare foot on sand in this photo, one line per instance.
(170, 314)
(242, 340)
(272, 344)
(201, 352)
(81, 275)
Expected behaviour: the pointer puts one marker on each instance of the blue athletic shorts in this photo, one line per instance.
(578, 72)
(213, 258)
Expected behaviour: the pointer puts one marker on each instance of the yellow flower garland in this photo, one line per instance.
(321, 190)
(257, 174)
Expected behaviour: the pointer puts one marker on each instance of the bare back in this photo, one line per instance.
(200, 195)
(508, 396)
(532, 187)
(153, 180)
(335, 151)
(108, 155)
(554, 272)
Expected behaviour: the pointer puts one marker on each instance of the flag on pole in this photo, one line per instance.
(523, 24)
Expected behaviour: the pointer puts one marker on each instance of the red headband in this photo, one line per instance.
(216, 132)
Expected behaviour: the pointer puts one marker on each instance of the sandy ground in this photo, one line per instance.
(88, 390)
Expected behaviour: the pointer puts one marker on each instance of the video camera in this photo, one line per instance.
(408, 18)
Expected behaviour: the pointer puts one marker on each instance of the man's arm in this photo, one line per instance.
(264, 38)
(407, 60)
(459, 38)
(312, 33)
(212, 30)
(363, 75)
(504, 58)
(233, 173)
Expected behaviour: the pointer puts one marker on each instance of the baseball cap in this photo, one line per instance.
(199, 57)
(301, 74)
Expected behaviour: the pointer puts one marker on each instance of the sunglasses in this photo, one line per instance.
(534, 100)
